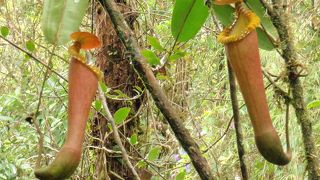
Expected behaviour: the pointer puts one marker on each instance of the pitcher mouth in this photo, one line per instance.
(245, 22)
(86, 41)
(77, 56)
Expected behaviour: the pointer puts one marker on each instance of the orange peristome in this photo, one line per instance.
(246, 22)
(225, 2)
(86, 40)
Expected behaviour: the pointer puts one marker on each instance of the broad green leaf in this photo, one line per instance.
(121, 114)
(151, 57)
(4, 31)
(264, 41)
(225, 14)
(181, 175)
(60, 18)
(155, 43)
(177, 55)
(153, 154)
(134, 139)
(313, 104)
(261, 12)
(98, 105)
(187, 19)
(30, 45)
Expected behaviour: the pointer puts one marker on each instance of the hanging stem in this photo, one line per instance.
(41, 136)
(116, 134)
(236, 120)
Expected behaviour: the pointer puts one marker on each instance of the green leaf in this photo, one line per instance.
(4, 31)
(97, 105)
(30, 45)
(155, 43)
(110, 126)
(261, 12)
(181, 175)
(224, 13)
(60, 18)
(26, 57)
(161, 77)
(121, 114)
(120, 94)
(134, 139)
(141, 164)
(313, 104)
(153, 154)
(103, 86)
(187, 19)
(264, 41)
(269, 31)
(138, 88)
(151, 57)
(177, 55)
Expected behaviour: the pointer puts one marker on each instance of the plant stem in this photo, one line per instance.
(116, 134)
(236, 118)
(41, 136)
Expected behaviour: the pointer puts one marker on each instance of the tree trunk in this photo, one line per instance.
(118, 76)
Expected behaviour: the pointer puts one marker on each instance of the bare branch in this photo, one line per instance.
(116, 134)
